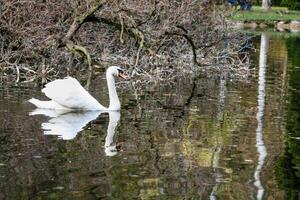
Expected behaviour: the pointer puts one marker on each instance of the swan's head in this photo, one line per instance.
(116, 71)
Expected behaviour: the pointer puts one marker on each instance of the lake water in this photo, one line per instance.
(195, 138)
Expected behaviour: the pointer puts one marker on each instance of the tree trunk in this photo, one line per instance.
(266, 4)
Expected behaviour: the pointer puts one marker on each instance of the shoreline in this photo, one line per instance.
(291, 26)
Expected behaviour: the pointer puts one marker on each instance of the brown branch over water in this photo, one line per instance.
(192, 44)
(81, 51)
(80, 19)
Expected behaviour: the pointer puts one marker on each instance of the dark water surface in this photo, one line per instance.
(196, 138)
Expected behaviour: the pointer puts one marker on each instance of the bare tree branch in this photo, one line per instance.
(79, 20)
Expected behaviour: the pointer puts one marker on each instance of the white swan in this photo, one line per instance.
(68, 94)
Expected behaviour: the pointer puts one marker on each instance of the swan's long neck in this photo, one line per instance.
(114, 102)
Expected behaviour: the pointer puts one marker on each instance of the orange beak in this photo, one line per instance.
(122, 76)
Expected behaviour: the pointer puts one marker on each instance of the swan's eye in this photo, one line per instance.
(120, 71)
(121, 74)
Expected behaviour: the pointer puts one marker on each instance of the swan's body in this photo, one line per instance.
(68, 94)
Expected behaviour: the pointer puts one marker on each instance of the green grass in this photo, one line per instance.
(259, 15)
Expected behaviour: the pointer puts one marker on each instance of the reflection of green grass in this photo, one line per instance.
(270, 32)
(258, 14)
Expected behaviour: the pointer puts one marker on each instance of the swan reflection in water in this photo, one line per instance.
(66, 125)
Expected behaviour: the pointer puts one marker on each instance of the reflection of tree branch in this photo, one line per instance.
(156, 152)
(189, 99)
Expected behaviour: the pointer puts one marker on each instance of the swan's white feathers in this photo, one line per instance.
(47, 104)
(69, 93)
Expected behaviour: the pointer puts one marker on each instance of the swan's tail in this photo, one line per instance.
(41, 104)
(47, 104)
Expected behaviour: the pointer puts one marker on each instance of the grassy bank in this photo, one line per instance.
(259, 15)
